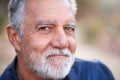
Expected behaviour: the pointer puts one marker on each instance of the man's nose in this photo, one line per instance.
(60, 39)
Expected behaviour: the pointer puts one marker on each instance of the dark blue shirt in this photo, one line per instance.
(81, 70)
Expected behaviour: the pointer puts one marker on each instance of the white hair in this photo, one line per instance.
(16, 9)
(73, 5)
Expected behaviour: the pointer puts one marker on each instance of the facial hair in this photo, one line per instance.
(47, 67)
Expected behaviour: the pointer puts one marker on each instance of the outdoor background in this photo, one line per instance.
(98, 33)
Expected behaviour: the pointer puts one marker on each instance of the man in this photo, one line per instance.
(43, 35)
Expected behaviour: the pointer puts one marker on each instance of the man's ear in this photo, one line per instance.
(14, 37)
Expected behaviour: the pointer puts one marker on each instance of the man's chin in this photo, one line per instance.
(52, 68)
(55, 68)
(56, 72)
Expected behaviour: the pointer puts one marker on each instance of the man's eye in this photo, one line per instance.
(44, 29)
(69, 29)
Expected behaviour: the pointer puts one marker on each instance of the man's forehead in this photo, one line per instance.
(41, 7)
(47, 3)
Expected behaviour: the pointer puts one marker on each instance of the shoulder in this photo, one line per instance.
(10, 72)
(87, 63)
(90, 70)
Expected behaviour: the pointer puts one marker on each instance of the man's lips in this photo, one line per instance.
(57, 56)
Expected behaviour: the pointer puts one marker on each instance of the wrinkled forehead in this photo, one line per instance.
(46, 5)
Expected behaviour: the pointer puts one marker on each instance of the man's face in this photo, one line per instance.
(49, 44)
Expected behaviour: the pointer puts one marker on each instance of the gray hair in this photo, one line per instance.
(16, 10)
(73, 5)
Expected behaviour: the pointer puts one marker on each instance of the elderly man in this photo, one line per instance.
(43, 35)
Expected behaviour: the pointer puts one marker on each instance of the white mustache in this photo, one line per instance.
(55, 51)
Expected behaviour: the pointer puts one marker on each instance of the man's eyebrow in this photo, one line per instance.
(72, 23)
(45, 22)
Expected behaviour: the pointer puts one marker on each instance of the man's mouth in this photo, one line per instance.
(57, 56)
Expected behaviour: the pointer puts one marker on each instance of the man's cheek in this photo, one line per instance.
(37, 46)
(73, 45)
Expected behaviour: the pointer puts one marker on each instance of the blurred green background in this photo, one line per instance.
(98, 33)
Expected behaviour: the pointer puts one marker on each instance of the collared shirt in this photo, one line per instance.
(81, 70)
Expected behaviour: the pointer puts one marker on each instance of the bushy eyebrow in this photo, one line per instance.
(45, 22)
(54, 23)
(71, 23)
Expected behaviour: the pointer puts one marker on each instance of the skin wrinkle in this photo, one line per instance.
(31, 13)
(17, 12)
(47, 54)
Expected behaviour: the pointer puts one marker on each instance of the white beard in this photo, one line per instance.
(51, 68)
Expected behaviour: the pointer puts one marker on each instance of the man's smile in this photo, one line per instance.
(57, 56)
